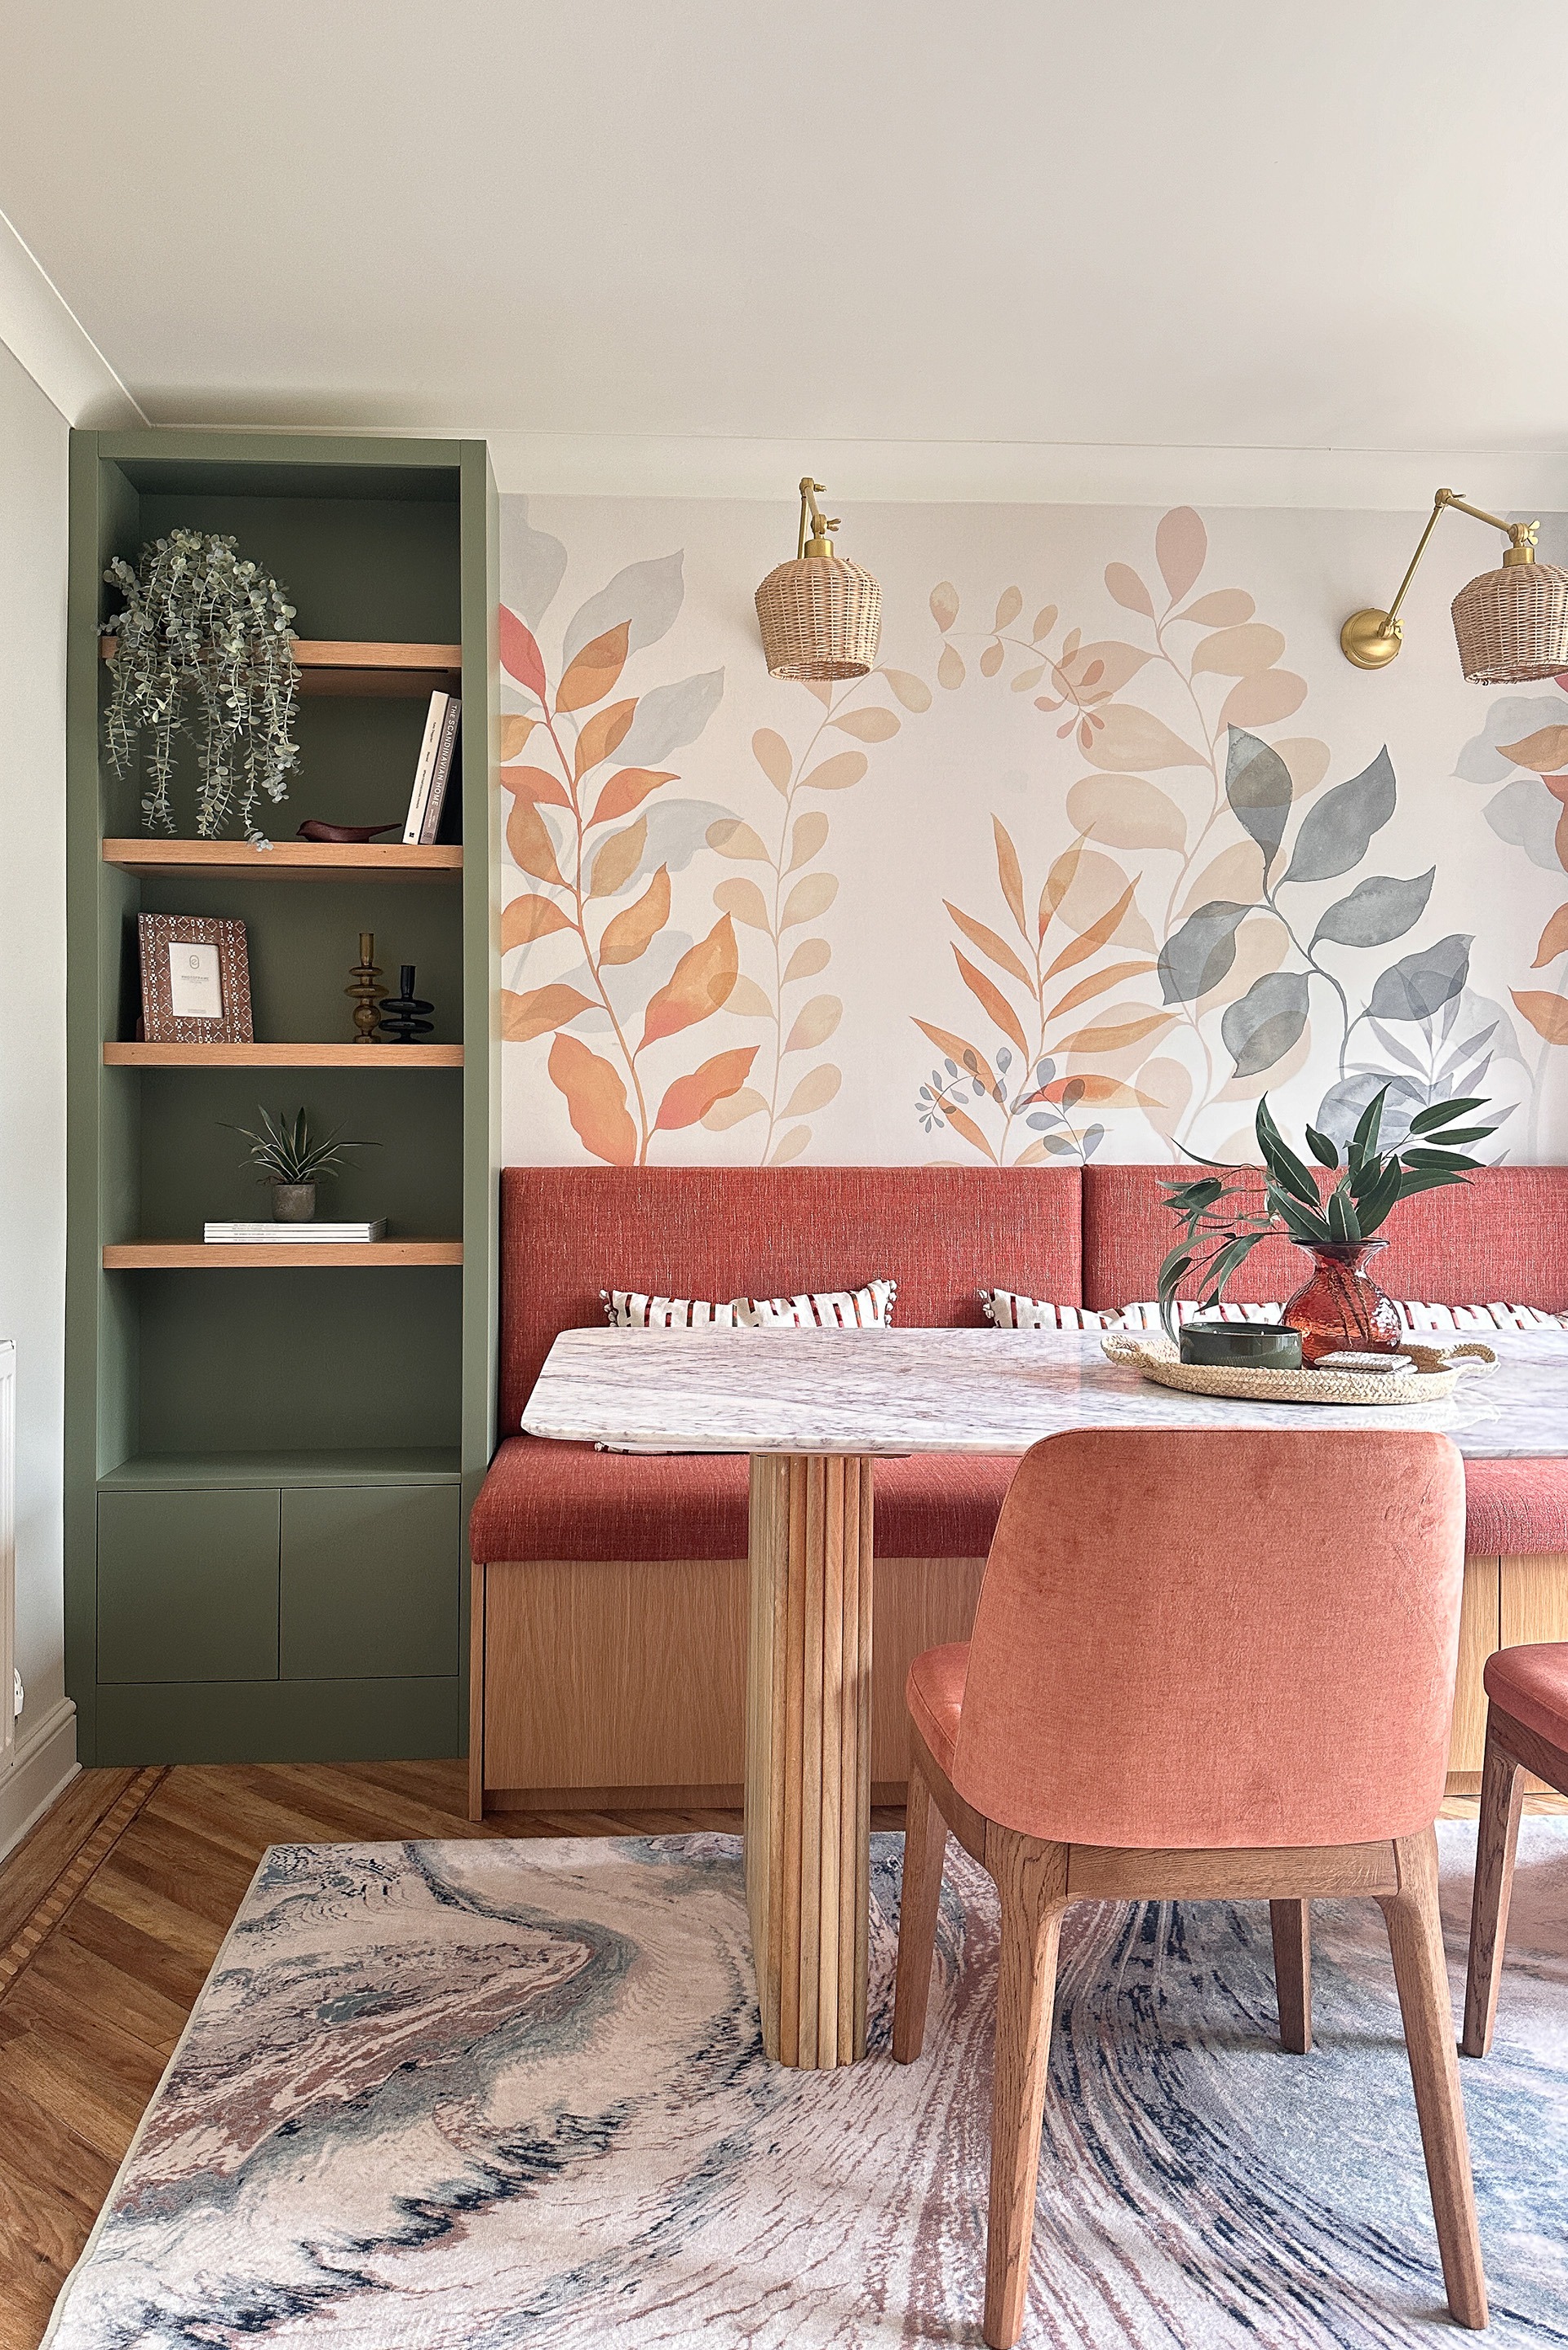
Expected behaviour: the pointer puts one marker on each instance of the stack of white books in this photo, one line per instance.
(433, 771)
(251, 1235)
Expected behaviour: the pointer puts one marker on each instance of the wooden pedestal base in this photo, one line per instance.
(808, 1754)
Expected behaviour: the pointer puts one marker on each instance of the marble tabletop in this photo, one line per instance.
(898, 1391)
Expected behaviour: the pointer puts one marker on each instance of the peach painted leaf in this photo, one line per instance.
(625, 791)
(532, 848)
(514, 733)
(808, 899)
(811, 956)
(1543, 753)
(944, 605)
(536, 784)
(593, 672)
(1125, 588)
(1264, 700)
(1028, 678)
(520, 655)
(731, 837)
(1009, 605)
(820, 690)
(964, 1126)
(1226, 607)
(619, 859)
(524, 919)
(991, 659)
(1058, 881)
(815, 1091)
(1098, 934)
(1547, 1015)
(815, 1024)
(596, 1102)
(989, 944)
(734, 1108)
(808, 837)
(696, 988)
(630, 932)
(1098, 983)
(602, 735)
(1243, 651)
(525, 1016)
(951, 669)
(869, 725)
(789, 1145)
(991, 1001)
(743, 899)
(1131, 739)
(689, 1100)
(837, 774)
(1307, 760)
(773, 756)
(1553, 940)
(1009, 872)
(912, 692)
(1099, 1092)
(1045, 621)
(1116, 1035)
(1126, 812)
(1182, 550)
(747, 1001)
(959, 1049)
(1096, 671)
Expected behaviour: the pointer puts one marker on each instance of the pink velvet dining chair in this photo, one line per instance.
(1204, 1665)
(1526, 1730)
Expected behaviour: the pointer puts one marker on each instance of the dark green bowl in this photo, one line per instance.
(1250, 1345)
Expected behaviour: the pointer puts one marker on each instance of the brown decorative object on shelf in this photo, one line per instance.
(345, 835)
(195, 980)
(367, 978)
(403, 1018)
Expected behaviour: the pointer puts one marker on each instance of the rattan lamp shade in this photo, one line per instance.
(1512, 624)
(821, 617)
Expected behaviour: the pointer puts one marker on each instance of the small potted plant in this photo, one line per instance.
(293, 1160)
(1339, 1306)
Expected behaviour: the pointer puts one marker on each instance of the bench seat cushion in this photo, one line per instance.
(1515, 1508)
(546, 1500)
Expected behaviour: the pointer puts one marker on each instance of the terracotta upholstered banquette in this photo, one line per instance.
(609, 1588)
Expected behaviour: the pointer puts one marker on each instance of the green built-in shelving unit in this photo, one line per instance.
(269, 1465)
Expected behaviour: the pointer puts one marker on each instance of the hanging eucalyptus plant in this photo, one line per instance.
(204, 648)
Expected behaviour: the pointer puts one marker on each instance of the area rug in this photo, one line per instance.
(457, 2096)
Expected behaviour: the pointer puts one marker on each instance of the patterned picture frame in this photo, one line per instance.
(162, 936)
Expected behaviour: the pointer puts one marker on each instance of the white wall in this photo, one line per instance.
(33, 531)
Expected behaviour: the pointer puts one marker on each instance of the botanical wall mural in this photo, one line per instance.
(1112, 842)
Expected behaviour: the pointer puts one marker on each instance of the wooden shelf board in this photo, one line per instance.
(433, 1464)
(238, 1256)
(337, 653)
(282, 1056)
(288, 860)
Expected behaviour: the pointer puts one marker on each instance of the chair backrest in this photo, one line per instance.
(1200, 1637)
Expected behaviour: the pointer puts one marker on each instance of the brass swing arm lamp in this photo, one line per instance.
(820, 615)
(1512, 624)
(812, 538)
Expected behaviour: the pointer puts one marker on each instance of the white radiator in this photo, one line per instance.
(7, 1553)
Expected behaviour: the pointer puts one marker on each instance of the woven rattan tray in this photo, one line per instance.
(1438, 1372)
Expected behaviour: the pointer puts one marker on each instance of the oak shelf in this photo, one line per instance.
(329, 665)
(289, 860)
(238, 1256)
(282, 1056)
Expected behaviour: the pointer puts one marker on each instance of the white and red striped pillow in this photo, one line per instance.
(870, 1307)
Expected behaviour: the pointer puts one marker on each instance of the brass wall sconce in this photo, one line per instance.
(821, 615)
(1511, 625)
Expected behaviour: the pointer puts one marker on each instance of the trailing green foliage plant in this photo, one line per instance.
(1216, 1239)
(204, 647)
(287, 1151)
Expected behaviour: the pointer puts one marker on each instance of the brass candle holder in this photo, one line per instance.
(366, 989)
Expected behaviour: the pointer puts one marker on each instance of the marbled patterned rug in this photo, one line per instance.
(457, 2096)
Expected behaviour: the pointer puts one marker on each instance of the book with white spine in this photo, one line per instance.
(441, 773)
(435, 718)
(252, 1235)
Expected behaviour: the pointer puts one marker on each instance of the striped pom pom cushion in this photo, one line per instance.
(870, 1307)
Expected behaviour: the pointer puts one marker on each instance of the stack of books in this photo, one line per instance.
(433, 771)
(249, 1235)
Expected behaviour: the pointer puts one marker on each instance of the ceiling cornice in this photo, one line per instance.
(43, 334)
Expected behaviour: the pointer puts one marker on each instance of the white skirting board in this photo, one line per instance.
(45, 1762)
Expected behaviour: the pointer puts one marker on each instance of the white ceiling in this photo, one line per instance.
(1146, 225)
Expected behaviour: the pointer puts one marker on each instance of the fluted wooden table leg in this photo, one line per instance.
(808, 1753)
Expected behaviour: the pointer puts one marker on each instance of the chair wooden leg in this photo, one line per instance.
(1497, 1841)
(1031, 1881)
(1291, 1924)
(925, 1841)
(1415, 1937)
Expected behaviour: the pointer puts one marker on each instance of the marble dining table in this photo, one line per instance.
(815, 1410)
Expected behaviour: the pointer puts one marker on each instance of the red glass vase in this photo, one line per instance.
(1339, 1307)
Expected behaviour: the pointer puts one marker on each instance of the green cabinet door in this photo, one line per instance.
(370, 1581)
(187, 1585)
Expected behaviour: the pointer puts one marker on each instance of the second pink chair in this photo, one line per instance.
(1204, 1665)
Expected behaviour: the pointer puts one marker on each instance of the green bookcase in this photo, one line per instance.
(269, 1466)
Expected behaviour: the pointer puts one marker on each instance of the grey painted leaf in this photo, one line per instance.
(1509, 721)
(1394, 1048)
(677, 829)
(1338, 828)
(1261, 1029)
(1377, 910)
(1258, 786)
(1525, 815)
(1341, 1109)
(647, 596)
(532, 563)
(1197, 956)
(670, 716)
(1419, 984)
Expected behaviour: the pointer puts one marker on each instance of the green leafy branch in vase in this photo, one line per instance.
(1217, 1240)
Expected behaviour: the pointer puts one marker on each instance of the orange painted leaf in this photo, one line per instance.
(602, 735)
(987, 940)
(1553, 940)
(520, 656)
(1116, 1037)
(625, 791)
(536, 784)
(524, 1017)
(1128, 589)
(529, 842)
(993, 1002)
(959, 1048)
(771, 754)
(1264, 700)
(596, 1102)
(514, 733)
(1008, 871)
(698, 985)
(876, 725)
(689, 1100)
(593, 672)
(837, 774)
(1089, 941)
(1100, 1093)
(1097, 983)
(964, 1126)
(1543, 752)
(1547, 1015)
(944, 605)
(1058, 881)
(633, 929)
(527, 919)
(619, 859)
